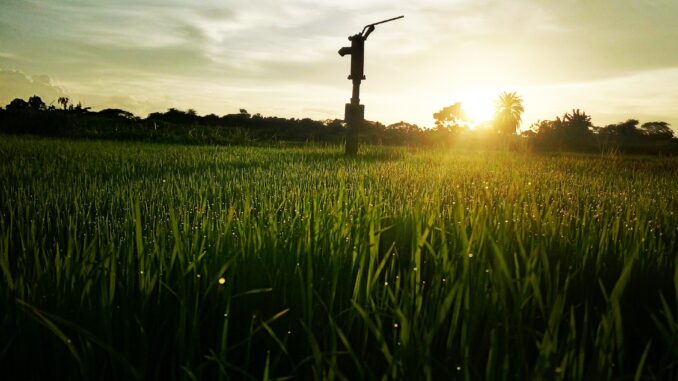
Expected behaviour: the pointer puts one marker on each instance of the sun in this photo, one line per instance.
(479, 109)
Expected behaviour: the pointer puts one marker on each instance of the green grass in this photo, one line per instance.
(396, 265)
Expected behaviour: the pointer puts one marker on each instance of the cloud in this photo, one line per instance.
(281, 56)
(15, 84)
(647, 96)
(7, 56)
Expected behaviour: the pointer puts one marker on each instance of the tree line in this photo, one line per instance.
(572, 132)
(575, 132)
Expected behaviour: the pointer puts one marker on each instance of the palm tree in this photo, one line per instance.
(509, 112)
(63, 101)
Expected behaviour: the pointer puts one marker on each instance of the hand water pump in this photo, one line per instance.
(354, 112)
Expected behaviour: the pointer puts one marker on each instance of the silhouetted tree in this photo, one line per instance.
(63, 101)
(657, 130)
(577, 120)
(624, 130)
(36, 103)
(116, 113)
(238, 120)
(572, 132)
(175, 116)
(333, 123)
(16, 105)
(404, 127)
(545, 135)
(577, 131)
(628, 137)
(211, 119)
(541, 127)
(528, 134)
(509, 113)
(402, 133)
(372, 132)
(450, 118)
(79, 108)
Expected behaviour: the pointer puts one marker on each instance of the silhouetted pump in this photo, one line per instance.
(357, 52)
(355, 112)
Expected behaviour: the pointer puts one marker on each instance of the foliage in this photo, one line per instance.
(63, 101)
(116, 113)
(571, 132)
(509, 113)
(658, 130)
(35, 103)
(575, 132)
(150, 261)
(450, 118)
(17, 105)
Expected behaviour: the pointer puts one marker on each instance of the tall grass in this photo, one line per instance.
(395, 265)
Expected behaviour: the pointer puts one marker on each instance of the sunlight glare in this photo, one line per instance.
(479, 109)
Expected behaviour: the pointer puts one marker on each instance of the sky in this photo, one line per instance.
(615, 60)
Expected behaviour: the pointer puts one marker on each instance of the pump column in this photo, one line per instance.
(354, 113)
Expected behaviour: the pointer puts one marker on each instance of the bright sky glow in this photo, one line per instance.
(479, 106)
(613, 59)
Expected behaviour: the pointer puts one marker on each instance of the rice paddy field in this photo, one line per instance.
(168, 262)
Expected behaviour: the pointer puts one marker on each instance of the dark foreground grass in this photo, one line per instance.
(395, 265)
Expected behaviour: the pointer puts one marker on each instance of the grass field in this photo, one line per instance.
(124, 261)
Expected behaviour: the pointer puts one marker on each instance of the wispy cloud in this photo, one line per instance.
(281, 56)
(16, 84)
